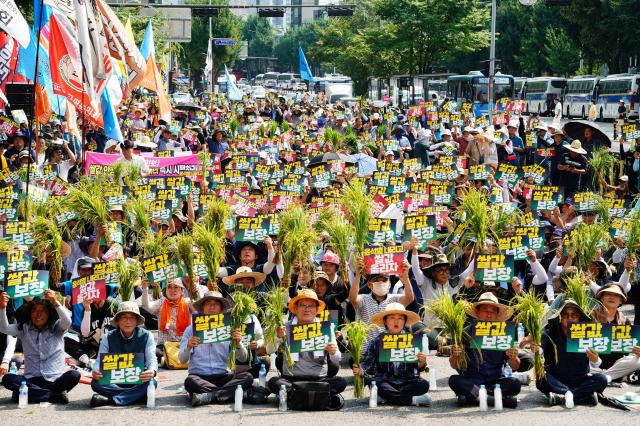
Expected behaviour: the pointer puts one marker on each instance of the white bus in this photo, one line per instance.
(579, 94)
(615, 88)
(270, 80)
(539, 93)
(518, 87)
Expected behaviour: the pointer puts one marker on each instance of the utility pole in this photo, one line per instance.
(492, 60)
(211, 82)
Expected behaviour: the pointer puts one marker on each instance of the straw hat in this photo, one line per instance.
(213, 295)
(242, 272)
(504, 312)
(130, 308)
(306, 294)
(612, 288)
(395, 308)
(576, 146)
(145, 142)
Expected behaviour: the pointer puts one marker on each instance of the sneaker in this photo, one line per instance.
(509, 401)
(422, 400)
(594, 399)
(59, 397)
(100, 401)
(336, 402)
(462, 401)
(523, 378)
(198, 399)
(556, 399)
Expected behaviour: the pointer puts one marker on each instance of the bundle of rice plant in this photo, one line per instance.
(602, 163)
(356, 333)
(211, 244)
(453, 316)
(296, 237)
(340, 232)
(132, 174)
(577, 288)
(129, 273)
(244, 305)
(138, 212)
(502, 220)
(89, 205)
(633, 240)
(47, 246)
(183, 250)
(117, 172)
(585, 241)
(275, 305)
(356, 203)
(474, 211)
(531, 311)
(218, 213)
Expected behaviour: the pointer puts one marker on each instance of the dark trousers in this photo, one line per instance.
(582, 387)
(222, 387)
(40, 390)
(470, 386)
(402, 394)
(336, 384)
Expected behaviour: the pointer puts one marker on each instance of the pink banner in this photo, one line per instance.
(187, 165)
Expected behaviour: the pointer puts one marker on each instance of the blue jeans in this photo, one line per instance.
(40, 390)
(582, 387)
(123, 394)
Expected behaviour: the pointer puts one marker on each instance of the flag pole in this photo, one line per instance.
(35, 93)
(82, 114)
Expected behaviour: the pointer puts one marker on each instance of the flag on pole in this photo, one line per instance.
(84, 43)
(208, 67)
(152, 79)
(233, 92)
(13, 23)
(305, 71)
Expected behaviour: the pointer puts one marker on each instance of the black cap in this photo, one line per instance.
(85, 262)
(126, 144)
(374, 276)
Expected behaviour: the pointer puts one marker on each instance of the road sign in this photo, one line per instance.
(224, 42)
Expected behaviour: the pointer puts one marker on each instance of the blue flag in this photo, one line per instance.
(111, 127)
(233, 92)
(305, 71)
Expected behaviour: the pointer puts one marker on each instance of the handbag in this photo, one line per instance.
(171, 361)
(310, 396)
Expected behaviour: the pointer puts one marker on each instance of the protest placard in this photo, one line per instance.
(121, 369)
(494, 267)
(88, 287)
(311, 337)
(383, 260)
(26, 283)
(160, 268)
(492, 335)
(401, 347)
(214, 328)
(583, 336)
(420, 227)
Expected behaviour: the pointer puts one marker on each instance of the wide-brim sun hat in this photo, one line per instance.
(393, 309)
(243, 272)
(213, 295)
(576, 146)
(306, 294)
(127, 307)
(611, 288)
(504, 311)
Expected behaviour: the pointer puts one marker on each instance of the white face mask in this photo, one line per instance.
(468, 138)
(381, 288)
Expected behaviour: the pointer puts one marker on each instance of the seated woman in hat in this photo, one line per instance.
(173, 310)
(249, 280)
(248, 254)
(615, 365)
(485, 367)
(128, 336)
(41, 331)
(568, 371)
(305, 306)
(398, 383)
(209, 380)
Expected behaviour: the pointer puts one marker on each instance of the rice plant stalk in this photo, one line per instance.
(585, 241)
(474, 211)
(531, 312)
(339, 231)
(129, 272)
(356, 333)
(602, 162)
(211, 244)
(577, 288)
(244, 305)
(296, 238)
(356, 203)
(275, 305)
(453, 316)
(47, 246)
(183, 250)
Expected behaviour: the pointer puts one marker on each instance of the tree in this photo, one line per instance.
(306, 36)
(561, 53)
(259, 33)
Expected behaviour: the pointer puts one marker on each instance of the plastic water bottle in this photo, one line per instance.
(433, 384)
(520, 332)
(373, 395)
(497, 396)
(151, 395)
(425, 344)
(23, 399)
(88, 362)
(13, 369)
(262, 376)
(568, 399)
(508, 372)
(282, 395)
(237, 401)
(483, 398)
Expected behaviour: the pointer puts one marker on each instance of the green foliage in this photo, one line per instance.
(259, 33)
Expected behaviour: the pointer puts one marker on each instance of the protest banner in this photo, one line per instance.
(624, 338)
(616, 207)
(441, 194)
(620, 228)
(383, 260)
(88, 287)
(583, 336)
(537, 172)
(252, 229)
(492, 335)
(509, 173)
(420, 227)
(494, 267)
(398, 185)
(535, 235)
(97, 163)
(26, 283)
(13, 261)
(160, 268)
(121, 369)
(9, 208)
(214, 328)
(546, 198)
(312, 337)
(19, 233)
(381, 231)
(107, 271)
(480, 172)
(403, 347)
(515, 245)
(585, 201)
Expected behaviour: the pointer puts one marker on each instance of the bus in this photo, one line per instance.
(539, 93)
(518, 88)
(287, 80)
(474, 87)
(614, 88)
(578, 95)
(270, 80)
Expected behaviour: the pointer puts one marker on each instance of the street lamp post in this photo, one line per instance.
(492, 60)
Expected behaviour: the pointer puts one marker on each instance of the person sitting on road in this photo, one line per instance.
(485, 367)
(209, 380)
(398, 383)
(127, 337)
(305, 306)
(41, 331)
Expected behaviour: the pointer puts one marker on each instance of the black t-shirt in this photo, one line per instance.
(568, 179)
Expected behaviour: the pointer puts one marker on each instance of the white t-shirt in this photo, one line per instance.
(557, 111)
(136, 161)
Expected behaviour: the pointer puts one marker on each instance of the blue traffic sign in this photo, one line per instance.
(224, 42)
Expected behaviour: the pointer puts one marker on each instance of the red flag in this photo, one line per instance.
(66, 72)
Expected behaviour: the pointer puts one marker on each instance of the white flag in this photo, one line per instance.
(12, 22)
(64, 7)
(86, 49)
(208, 66)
